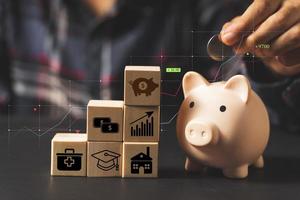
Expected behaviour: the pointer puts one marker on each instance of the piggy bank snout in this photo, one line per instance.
(200, 133)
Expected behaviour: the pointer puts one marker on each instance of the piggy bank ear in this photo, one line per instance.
(240, 85)
(192, 80)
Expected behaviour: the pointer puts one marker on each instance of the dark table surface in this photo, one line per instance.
(25, 171)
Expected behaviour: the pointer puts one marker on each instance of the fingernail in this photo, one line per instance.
(229, 28)
(226, 25)
(228, 37)
(228, 33)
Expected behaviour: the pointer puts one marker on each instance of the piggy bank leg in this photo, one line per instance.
(238, 172)
(259, 163)
(192, 166)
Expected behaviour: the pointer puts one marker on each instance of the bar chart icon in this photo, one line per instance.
(143, 126)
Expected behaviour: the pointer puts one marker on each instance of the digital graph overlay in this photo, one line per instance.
(171, 91)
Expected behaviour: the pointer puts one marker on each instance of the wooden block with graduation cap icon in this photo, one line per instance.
(141, 123)
(104, 159)
(68, 154)
(105, 120)
(142, 85)
(140, 159)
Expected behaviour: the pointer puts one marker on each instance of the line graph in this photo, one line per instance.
(51, 128)
(231, 59)
(170, 120)
(38, 132)
(172, 86)
(172, 94)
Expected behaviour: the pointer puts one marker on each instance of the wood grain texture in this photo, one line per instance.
(142, 85)
(141, 123)
(140, 159)
(68, 154)
(112, 113)
(104, 159)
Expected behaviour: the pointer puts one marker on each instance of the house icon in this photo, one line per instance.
(141, 160)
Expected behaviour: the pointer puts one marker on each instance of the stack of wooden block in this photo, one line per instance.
(122, 136)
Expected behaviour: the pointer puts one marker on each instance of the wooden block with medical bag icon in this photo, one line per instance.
(68, 154)
(142, 85)
(140, 159)
(105, 120)
(104, 159)
(141, 123)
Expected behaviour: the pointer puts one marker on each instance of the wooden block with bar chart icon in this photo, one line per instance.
(68, 154)
(142, 85)
(104, 159)
(140, 159)
(105, 120)
(141, 123)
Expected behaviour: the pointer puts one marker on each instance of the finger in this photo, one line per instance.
(230, 22)
(226, 25)
(273, 27)
(290, 58)
(241, 48)
(280, 68)
(258, 53)
(256, 13)
(288, 41)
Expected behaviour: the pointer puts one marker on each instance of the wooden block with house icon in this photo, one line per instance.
(140, 159)
(105, 120)
(68, 154)
(141, 123)
(104, 159)
(142, 85)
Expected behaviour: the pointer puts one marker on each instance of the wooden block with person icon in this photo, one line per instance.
(142, 85)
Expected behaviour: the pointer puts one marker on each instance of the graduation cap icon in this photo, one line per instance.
(107, 160)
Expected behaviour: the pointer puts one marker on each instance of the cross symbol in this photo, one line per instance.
(69, 161)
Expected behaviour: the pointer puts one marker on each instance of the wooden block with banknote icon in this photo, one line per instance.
(142, 85)
(140, 159)
(105, 120)
(104, 159)
(141, 123)
(68, 154)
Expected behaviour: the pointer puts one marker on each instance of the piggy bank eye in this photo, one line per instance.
(192, 104)
(222, 108)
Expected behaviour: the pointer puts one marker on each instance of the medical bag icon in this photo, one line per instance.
(69, 160)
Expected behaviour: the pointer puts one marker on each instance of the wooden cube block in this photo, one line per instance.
(104, 159)
(141, 123)
(105, 120)
(68, 154)
(140, 159)
(142, 85)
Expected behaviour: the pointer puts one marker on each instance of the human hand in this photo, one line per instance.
(269, 29)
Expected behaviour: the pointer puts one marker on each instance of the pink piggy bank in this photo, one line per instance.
(222, 124)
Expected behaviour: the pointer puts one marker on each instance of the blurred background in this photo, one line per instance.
(56, 55)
